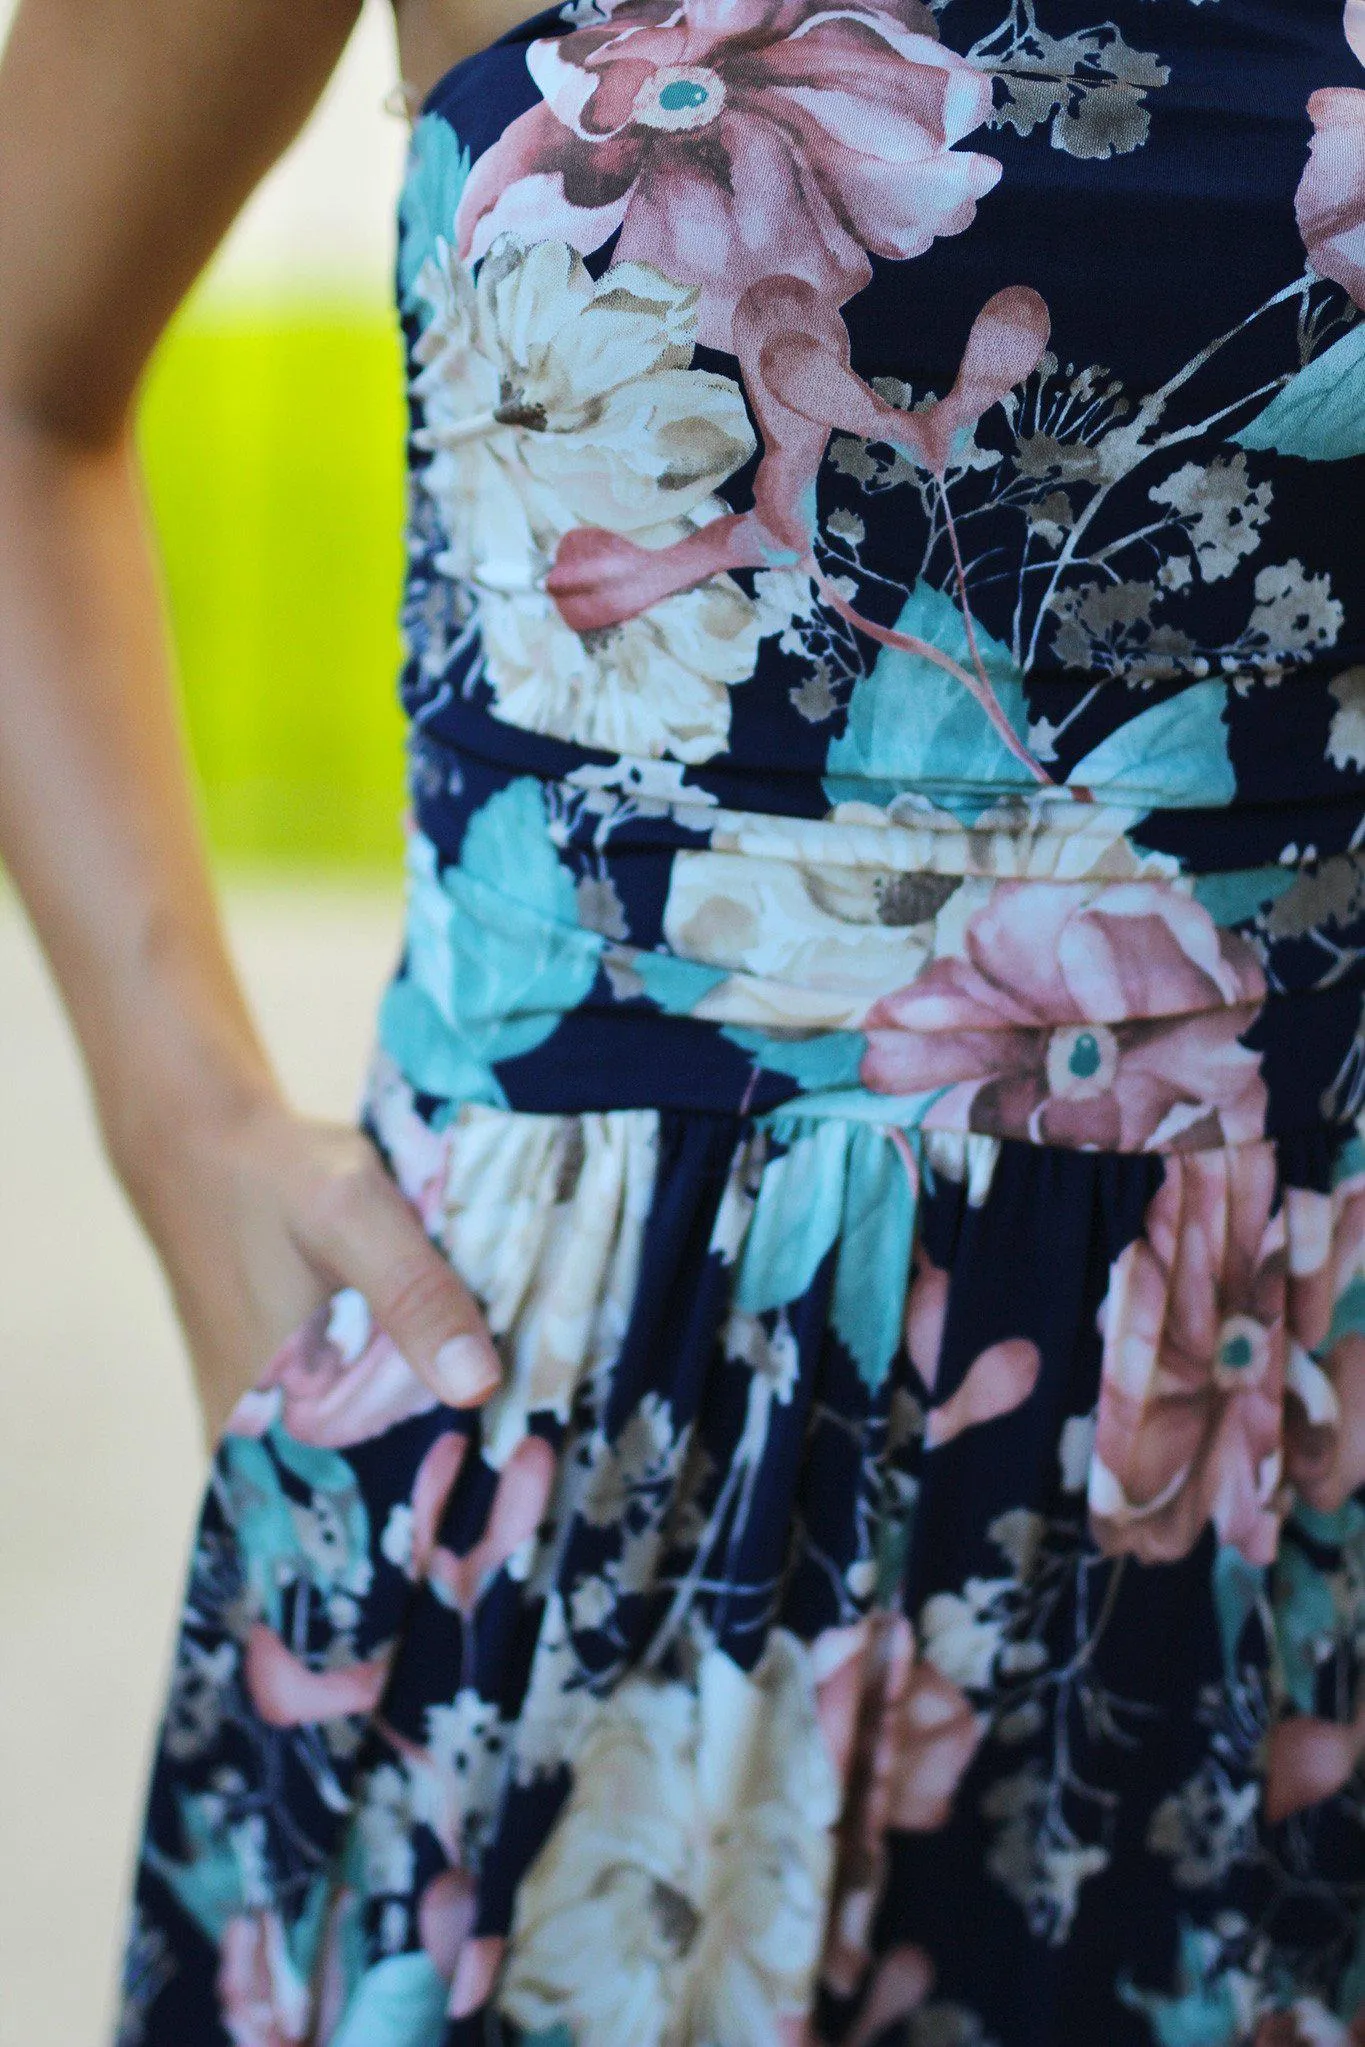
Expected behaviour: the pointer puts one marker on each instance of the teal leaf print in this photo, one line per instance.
(1206, 2012)
(1345, 1526)
(831, 1060)
(910, 725)
(303, 1936)
(1320, 413)
(861, 1105)
(209, 1885)
(874, 1254)
(438, 166)
(267, 1536)
(795, 1220)
(1234, 897)
(844, 1184)
(398, 2001)
(673, 985)
(1348, 1312)
(418, 1035)
(325, 1470)
(496, 955)
(1173, 756)
(267, 1525)
(1238, 1591)
(1349, 1161)
(1305, 1619)
(343, 1560)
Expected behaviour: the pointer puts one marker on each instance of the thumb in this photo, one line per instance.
(370, 1239)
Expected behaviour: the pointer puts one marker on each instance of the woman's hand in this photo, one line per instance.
(259, 1218)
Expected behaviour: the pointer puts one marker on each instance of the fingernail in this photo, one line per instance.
(467, 1370)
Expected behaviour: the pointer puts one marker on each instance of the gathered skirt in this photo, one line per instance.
(909, 1588)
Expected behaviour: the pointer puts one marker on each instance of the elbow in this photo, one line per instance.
(48, 450)
(60, 389)
(36, 421)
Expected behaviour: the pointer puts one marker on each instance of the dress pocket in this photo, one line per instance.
(336, 1382)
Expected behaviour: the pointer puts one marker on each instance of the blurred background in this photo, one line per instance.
(272, 433)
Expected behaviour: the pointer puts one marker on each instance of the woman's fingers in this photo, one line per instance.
(365, 1233)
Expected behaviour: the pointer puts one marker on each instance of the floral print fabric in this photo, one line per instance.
(879, 1028)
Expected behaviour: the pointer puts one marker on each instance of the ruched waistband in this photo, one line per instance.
(1297, 806)
(614, 940)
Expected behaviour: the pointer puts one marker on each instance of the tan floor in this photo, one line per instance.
(99, 1457)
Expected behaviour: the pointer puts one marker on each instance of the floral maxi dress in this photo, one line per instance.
(879, 1027)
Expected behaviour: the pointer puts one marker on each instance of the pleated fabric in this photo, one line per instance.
(874, 1608)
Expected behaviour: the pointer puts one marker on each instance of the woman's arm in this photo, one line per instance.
(130, 133)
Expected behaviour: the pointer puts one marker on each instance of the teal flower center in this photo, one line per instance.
(1086, 1058)
(684, 92)
(1082, 1060)
(679, 97)
(1241, 1352)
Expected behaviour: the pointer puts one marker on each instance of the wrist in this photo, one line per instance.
(156, 1115)
(176, 1064)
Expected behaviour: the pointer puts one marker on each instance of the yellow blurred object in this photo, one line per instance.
(273, 444)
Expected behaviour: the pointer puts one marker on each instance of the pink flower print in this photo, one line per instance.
(999, 1379)
(914, 1736)
(802, 350)
(330, 1973)
(476, 1973)
(331, 1392)
(733, 143)
(1326, 1450)
(287, 1692)
(1325, 1410)
(794, 351)
(262, 2000)
(900, 1984)
(926, 1314)
(431, 1490)
(760, 152)
(1308, 1760)
(519, 1506)
(445, 1917)
(1307, 2023)
(1192, 1376)
(445, 1922)
(1330, 203)
(1104, 1020)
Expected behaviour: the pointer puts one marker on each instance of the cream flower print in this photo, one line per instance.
(543, 1216)
(806, 943)
(815, 921)
(803, 949)
(550, 401)
(680, 1897)
(657, 684)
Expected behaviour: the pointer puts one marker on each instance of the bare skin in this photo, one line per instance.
(131, 131)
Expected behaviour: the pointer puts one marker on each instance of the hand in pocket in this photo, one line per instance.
(337, 1381)
(259, 1225)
